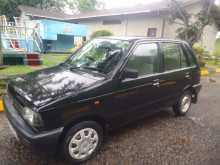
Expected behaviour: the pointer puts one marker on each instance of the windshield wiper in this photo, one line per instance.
(63, 64)
(74, 67)
(91, 68)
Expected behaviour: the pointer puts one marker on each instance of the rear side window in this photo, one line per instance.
(144, 59)
(190, 55)
(183, 60)
(174, 57)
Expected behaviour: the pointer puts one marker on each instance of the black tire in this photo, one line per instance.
(177, 108)
(80, 126)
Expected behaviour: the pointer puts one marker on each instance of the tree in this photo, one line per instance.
(85, 5)
(191, 29)
(10, 7)
(101, 33)
(215, 12)
(48, 4)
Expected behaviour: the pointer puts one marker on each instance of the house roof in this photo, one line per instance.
(41, 13)
(138, 9)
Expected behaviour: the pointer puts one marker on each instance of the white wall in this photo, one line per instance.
(138, 26)
(209, 37)
(94, 25)
(131, 26)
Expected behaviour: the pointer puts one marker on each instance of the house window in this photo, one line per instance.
(111, 22)
(152, 32)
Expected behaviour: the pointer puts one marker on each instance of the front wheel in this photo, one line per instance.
(183, 105)
(82, 141)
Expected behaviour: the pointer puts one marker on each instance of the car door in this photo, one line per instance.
(133, 94)
(176, 72)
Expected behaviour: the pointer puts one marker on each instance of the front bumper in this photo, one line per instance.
(41, 141)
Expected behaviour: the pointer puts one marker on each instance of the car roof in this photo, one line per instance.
(133, 39)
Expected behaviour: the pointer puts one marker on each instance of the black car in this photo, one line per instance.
(102, 86)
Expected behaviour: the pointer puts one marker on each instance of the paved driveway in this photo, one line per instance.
(160, 139)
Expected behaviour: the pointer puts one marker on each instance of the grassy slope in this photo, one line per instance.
(53, 59)
(13, 70)
(48, 61)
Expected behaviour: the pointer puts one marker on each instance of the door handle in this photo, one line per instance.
(156, 83)
(187, 75)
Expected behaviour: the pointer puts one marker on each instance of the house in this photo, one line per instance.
(145, 20)
(56, 34)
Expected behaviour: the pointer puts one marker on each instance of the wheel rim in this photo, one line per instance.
(186, 102)
(83, 143)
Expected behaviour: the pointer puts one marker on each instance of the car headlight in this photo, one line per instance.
(33, 118)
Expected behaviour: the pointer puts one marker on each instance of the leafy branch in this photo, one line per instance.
(192, 26)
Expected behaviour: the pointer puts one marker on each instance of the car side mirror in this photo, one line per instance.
(129, 73)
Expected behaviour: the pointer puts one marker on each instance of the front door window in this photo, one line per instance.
(144, 59)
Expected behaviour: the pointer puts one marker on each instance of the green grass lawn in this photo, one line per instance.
(212, 64)
(13, 70)
(48, 61)
(53, 59)
(10, 71)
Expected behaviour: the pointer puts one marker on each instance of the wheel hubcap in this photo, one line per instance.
(186, 102)
(83, 143)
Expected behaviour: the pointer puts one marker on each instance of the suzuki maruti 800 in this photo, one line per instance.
(102, 86)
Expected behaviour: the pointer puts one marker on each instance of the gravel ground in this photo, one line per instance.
(159, 139)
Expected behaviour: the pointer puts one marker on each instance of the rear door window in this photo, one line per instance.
(183, 58)
(192, 59)
(174, 57)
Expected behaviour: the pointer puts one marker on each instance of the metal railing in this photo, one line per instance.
(20, 31)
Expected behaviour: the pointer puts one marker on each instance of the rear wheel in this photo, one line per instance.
(183, 105)
(82, 141)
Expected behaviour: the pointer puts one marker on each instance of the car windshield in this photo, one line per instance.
(101, 55)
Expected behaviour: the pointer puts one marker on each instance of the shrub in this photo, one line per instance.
(200, 53)
(216, 52)
(101, 33)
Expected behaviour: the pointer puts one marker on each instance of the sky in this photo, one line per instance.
(129, 3)
(109, 4)
(112, 4)
(125, 3)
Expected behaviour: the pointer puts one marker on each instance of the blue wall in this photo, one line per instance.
(50, 29)
(63, 43)
(59, 35)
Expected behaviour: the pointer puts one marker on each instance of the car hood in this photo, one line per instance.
(41, 87)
